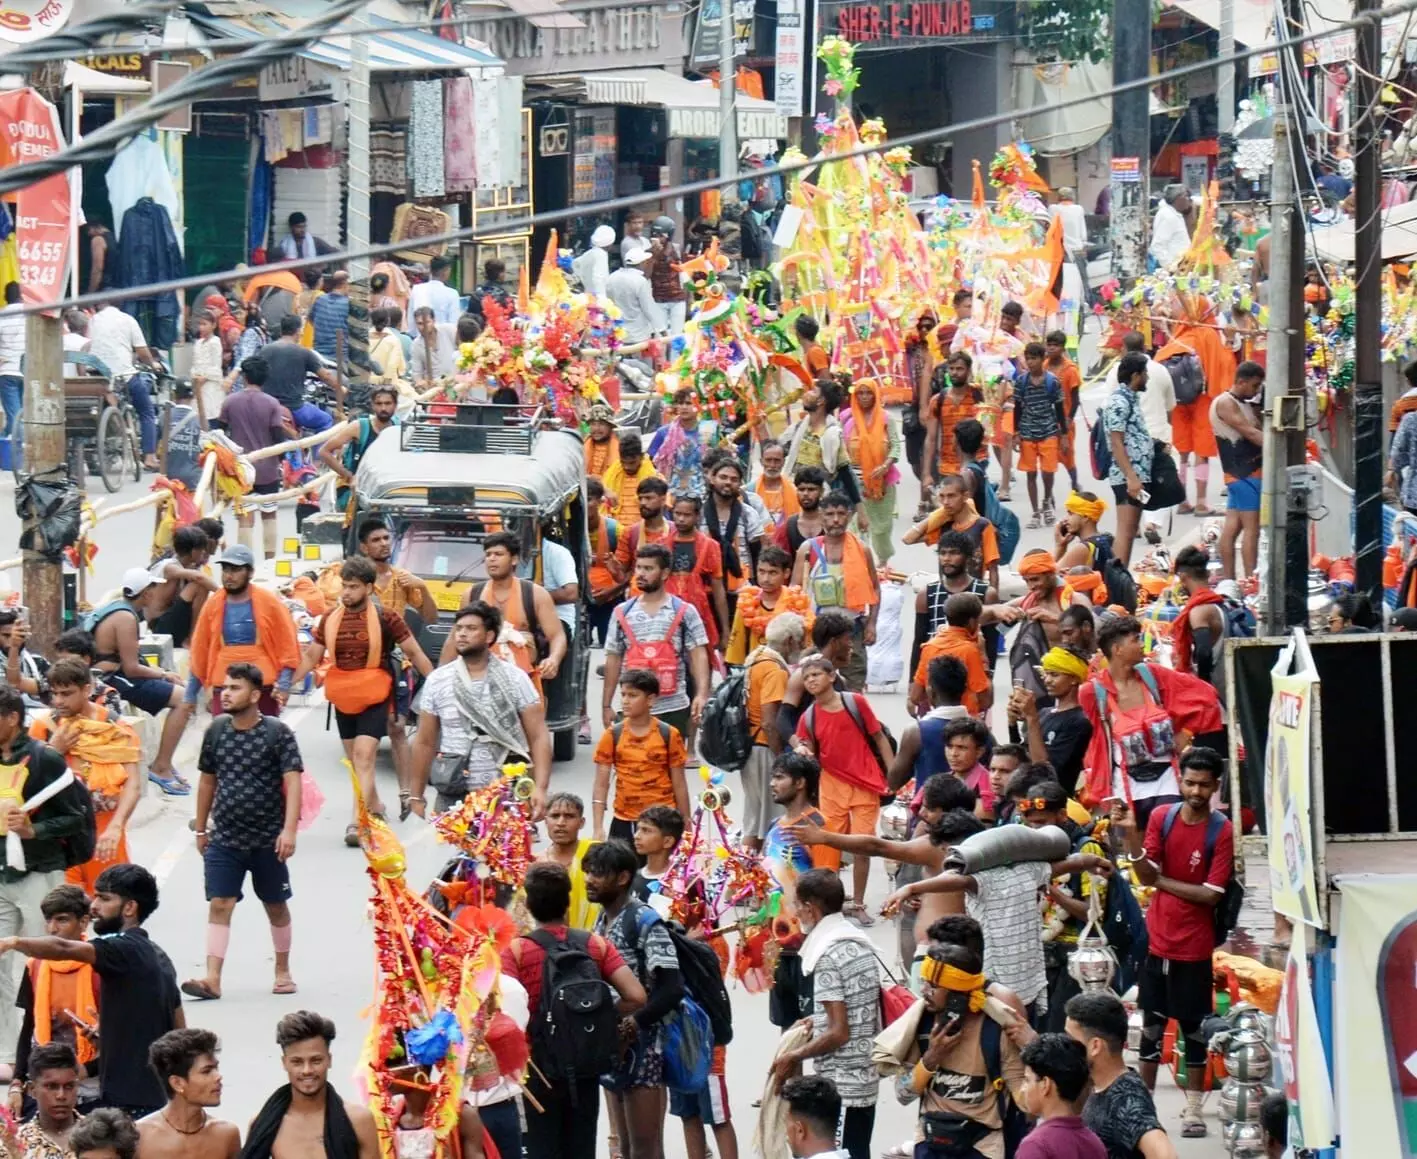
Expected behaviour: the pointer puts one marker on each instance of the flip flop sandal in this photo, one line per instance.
(1002, 496)
(173, 786)
(286, 987)
(1193, 1127)
(858, 913)
(199, 989)
(1204, 509)
(351, 836)
(405, 806)
(1186, 509)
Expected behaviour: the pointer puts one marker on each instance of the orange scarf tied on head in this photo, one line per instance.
(869, 447)
(85, 1004)
(1089, 583)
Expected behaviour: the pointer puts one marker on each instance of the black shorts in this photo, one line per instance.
(146, 695)
(226, 869)
(1119, 493)
(622, 830)
(175, 622)
(373, 721)
(1179, 990)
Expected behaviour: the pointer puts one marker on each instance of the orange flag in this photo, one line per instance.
(978, 187)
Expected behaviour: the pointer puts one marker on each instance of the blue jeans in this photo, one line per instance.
(140, 390)
(12, 393)
(504, 1124)
(311, 419)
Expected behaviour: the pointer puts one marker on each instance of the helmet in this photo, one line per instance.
(662, 226)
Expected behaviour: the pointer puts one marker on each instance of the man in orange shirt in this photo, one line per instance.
(814, 358)
(1056, 360)
(960, 400)
(958, 638)
(767, 668)
(957, 513)
(645, 754)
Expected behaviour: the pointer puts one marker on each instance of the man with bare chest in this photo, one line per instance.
(306, 1119)
(186, 1062)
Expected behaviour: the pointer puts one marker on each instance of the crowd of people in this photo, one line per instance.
(702, 561)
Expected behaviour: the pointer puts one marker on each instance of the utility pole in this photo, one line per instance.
(727, 89)
(358, 211)
(1284, 504)
(1225, 70)
(1131, 137)
(1367, 316)
(44, 450)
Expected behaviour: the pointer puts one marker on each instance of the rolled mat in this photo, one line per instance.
(1006, 845)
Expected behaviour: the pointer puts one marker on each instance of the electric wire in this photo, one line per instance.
(652, 197)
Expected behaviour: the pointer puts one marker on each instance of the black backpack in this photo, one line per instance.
(574, 1032)
(725, 737)
(1121, 586)
(699, 967)
(1226, 915)
(79, 847)
(1187, 377)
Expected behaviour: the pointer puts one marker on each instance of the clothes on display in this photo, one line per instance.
(139, 170)
(489, 141)
(425, 139)
(388, 160)
(148, 253)
(459, 136)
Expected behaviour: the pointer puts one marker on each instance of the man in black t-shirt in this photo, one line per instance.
(287, 364)
(248, 812)
(1059, 735)
(140, 1000)
(1120, 1110)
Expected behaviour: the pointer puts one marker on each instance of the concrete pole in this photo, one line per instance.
(1131, 135)
(1367, 314)
(358, 210)
(1225, 70)
(44, 449)
(727, 90)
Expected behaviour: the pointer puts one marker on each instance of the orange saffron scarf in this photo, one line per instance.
(85, 1005)
(869, 446)
(352, 690)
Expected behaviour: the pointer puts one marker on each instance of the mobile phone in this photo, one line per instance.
(1144, 496)
(86, 1027)
(955, 1024)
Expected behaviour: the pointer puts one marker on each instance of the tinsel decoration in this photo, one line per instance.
(492, 827)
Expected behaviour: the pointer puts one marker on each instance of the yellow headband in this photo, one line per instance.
(1068, 663)
(947, 977)
(1087, 508)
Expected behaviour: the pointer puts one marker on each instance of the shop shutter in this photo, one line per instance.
(314, 192)
(214, 200)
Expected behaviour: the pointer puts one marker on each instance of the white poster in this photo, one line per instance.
(788, 90)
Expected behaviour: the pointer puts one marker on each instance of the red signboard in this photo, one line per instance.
(30, 128)
(934, 19)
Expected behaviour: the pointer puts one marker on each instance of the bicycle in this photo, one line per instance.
(117, 446)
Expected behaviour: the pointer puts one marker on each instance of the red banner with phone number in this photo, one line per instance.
(29, 128)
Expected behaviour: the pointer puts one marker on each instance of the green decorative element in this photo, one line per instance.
(837, 55)
(1067, 29)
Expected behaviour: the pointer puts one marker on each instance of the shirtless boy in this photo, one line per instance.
(306, 1119)
(186, 1062)
(176, 599)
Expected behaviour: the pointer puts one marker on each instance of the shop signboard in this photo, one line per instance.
(871, 24)
(593, 163)
(295, 78)
(626, 36)
(24, 20)
(30, 128)
(788, 85)
(707, 49)
(703, 124)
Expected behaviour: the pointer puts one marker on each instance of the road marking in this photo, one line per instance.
(182, 840)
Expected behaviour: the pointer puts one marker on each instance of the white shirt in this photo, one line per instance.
(455, 738)
(290, 249)
(74, 343)
(1074, 227)
(206, 358)
(114, 337)
(439, 297)
(629, 289)
(12, 339)
(593, 268)
(1157, 401)
(630, 245)
(1169, 236)
(558, 568)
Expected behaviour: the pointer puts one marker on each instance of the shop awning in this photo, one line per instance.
(692, 105)
(90, 80)
(393, 48)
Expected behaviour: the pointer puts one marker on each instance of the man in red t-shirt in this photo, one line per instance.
(1188, 854)
(562, 1121)
(853, 751)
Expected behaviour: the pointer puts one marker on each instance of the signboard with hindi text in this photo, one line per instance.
(1288, 761)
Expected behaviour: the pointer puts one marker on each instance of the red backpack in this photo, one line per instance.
(657, 656)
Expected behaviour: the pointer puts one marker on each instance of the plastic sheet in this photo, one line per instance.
(50, 506)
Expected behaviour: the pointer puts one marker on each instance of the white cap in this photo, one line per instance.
(137, 579)
(603, 236)
(637, 257)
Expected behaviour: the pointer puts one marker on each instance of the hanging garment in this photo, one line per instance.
(459, 155)
(425, 139)
(148, 253)
(271, 142)
(509, 131)
(388, 161)
(140, 170)
(486, 106)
